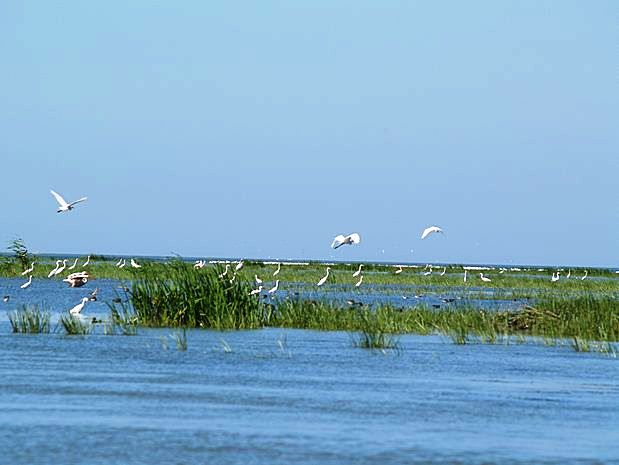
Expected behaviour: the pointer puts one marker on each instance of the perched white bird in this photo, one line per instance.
(256, 291)
(53, 272)
(360, 281)
(258, 280)
(324, 278)
(569, 273)
(78, 308)
(27, 283)
(358, 272)
(465, 271)
(443, 272)
(87, 262)
(341, 240)
(63, 206)
(585, 276)
(239, 265)
(62, 267)
(399, 270)
(273, 290)
(134, 264)
(279, 267)
(483, 278)
(225, 271)
(432, 229)
(29, 270)
(74, 264)
(555, 277)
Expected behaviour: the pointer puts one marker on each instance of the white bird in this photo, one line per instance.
(273, 290)
(225, 271)
(358, 272)
(585, 276)
(279, 267)
(324, 278)
(78, 308)
(465, 271)
(29, 270)
(443, 272)
(256, 291)
(239, 265)
(199, 264)
(483, 278)
(340, 240)
(428, 273)
(87, 262)
(63, 206)
(432, 229)
(119, 262)
(134, 264)
(61, 269)
(74, 264)
(27, 283)
(53, 272)
(360, 281)
(123, 264)
(399, 270)
(258, 280)
(569, 273)
(554, 277)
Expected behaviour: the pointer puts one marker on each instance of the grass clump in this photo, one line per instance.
(29, 319)
(74, 326)
(374, 334)
(122, 320)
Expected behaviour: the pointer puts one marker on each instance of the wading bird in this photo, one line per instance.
(432, 229)
(63, 206)
(358, 272)
(134, 264)
(555, 277)
(199, 264)
(29, 270)
(569, 273)
(585, 276)
(465, 275)
(78, 308)
(27, 283)
(324, 278)
(428, 273)
(87, 262)
(257, 279)
(444, 271)
(62, 267)
(279, 267)
(341, 240)
(399, 270)
(123, 264)
(53, 272)
(225, 271)
(360, 281)
(239, 265)
(484, 279)
(256, 291)
(118, 263)
(74, 264)
(273, 290)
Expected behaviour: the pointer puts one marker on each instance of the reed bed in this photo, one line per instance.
(74, 325)
(30, 319)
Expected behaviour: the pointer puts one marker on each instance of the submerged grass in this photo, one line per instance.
(74, 326)
(29, 319)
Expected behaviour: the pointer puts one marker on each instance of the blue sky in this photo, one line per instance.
(264, 129)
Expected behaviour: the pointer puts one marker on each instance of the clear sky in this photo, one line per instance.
(264, 129)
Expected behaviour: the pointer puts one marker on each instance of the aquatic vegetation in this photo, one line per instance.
(29, 319)
(74, 325)
(180, 338)
(374, 334)
(122, 320)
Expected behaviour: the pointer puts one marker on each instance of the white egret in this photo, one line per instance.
(27, 283)
(199, 264)
(273, 290)
(555, 277)
(225, 271)
(62, 267)
(118, 263)
(134, 264)
(239, 265)
(6, 299)
(123, 264)
(444, 271)
(358, 272)
(585, 276)
(256, 291)
(484, 279)
(279, 267)
(341, 240)
(428, 273)
(63, 205)
(429, 230)
(74, 264)
(87, 262)
(78, 308)
(29, 270)
(324, 278)
(399, 270)
(465, 271)
(257, 279)
(53, 272)
(360, 281)
(569, 273)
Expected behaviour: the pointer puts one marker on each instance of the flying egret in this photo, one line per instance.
(78, 308)
(74, 264)
(279, 267)
(257, 279)
(484, 279)
(63, 206)
(358, 272)
(134, 264)
(225, 271)
(256, 291)
(429, 230)
(53, 272)
(62, 267)
(273, 290)
(239, 265)
(554, 277)
(29, 270)
(27, 283)
(87, 262)
(360, 281)
(341, 240)
(585, 276)
(399, 270)
(324, 278)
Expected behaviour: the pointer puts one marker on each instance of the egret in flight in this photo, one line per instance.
(63, 206)
(358, 272)
(324, 278)
(27, 283)
(341, 240)
(78, 308)
(29, 270)
(432, 229)
(483, 278)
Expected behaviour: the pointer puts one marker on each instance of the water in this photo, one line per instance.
(290, 396)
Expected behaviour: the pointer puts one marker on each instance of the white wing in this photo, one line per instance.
(338, 241)
(426, 232)
(354, 238)
(78, 201)
(62, 202)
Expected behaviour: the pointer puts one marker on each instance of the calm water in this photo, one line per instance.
(288, 396)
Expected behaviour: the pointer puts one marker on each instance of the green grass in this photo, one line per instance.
(29, 319)
(74, 326)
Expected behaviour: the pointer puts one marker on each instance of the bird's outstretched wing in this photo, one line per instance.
(354, 238)
(78, 201)
(62, 202)
(426, 232)
(338, 241)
